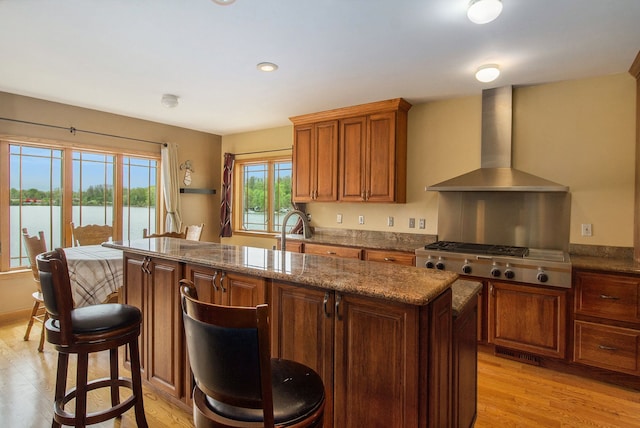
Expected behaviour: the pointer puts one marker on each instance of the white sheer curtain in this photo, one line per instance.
(171, 187)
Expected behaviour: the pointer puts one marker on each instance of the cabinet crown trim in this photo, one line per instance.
(358, 110)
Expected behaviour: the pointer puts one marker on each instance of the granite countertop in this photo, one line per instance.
(606, 264)
(462, 292)
(404, 284)
(366, 239)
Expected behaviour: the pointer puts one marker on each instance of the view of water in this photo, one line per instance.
(36, 218)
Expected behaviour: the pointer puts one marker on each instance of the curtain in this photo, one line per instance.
(171, 187)
(225, 202)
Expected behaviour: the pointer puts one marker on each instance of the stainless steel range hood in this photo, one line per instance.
(496, 173)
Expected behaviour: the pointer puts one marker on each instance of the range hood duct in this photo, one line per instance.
(495, 172)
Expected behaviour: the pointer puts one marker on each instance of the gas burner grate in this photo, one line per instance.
(484, 249)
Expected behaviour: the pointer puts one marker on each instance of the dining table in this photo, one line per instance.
(95, 272)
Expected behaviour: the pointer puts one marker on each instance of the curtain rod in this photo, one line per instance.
(73, 130)
(263, 151)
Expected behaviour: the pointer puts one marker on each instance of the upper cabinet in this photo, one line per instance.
(369, 163)
(315, 162)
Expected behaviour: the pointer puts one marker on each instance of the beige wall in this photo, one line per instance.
(580, 133)
(201, 148)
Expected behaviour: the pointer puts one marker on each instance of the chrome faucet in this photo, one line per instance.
(306, 229)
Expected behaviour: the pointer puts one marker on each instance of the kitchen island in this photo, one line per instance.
(380, 335)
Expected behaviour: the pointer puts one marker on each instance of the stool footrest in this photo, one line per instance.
(65, 418)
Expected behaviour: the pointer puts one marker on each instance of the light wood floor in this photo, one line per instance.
(510, 394)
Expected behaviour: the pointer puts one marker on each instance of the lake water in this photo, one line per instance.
(36, 218)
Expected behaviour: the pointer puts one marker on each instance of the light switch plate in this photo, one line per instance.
(360, 219)
(339, 218)
(422, 223)
(390, 221)
(412, 223)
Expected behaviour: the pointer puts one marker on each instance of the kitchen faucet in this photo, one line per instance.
(306, 230)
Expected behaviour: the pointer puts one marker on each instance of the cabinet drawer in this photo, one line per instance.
(331, 250)
(397, 257)
(608, 347)
(608, 296)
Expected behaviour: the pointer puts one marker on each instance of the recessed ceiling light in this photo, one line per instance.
(488, 73)
(224, 2)
(484, 11)
(267, 66)
(169, 100)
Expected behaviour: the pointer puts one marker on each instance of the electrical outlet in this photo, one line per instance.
(422, 223)
(308, 216)
(360, 219)
(412, 223)
(390, 221)
(339, 218)
(587, 229)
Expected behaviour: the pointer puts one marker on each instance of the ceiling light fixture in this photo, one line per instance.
(267, 66)
(487, 73)
(169, 100)
(223, 2)
(484, 11)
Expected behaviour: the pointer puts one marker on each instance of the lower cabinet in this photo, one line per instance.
(151, 284)
(465, 366)
(607, 321)
(333, 250)
(226, 288)
(371, 354)
(526, 318)
(396, 257)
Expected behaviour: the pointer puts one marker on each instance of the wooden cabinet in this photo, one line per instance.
(333, 250)
(226, 288)
(369, 354)
(396, 257)
(315, 162)
(372, 159)
(465, 366)
(607, 321)
(527, 318)
(372, 142)
(151, 284)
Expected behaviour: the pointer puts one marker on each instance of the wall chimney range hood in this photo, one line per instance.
(495, 172)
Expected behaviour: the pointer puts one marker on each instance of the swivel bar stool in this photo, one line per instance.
(82, 331)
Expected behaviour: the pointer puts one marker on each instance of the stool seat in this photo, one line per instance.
(298, 391)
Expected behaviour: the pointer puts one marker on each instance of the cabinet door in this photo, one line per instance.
(135, 295)
(381, 158)
(326, 164)
(353, 135)
(206, 281)
(302, 330)
(303, 164)
(609, 347)
(531, 319)
(164, 327)
(242, 290)
(376, 363)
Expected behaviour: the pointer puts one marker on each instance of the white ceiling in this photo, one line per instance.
(120, 56)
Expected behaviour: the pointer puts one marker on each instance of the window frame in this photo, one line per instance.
(67, 189)
(238, 186)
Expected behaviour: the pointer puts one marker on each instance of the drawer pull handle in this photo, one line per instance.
(338, 300)
(607, 348)
(331, 252)
(324, 303)
(607, 297)
(389, 259)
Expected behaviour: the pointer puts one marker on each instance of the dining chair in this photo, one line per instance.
(194, 232)
(82, 331)
(91, 234)
(34, 246)
(180, 235)
(237, 383)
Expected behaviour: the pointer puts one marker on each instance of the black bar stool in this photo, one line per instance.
(82, 331)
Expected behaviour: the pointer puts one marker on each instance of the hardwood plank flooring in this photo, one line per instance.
(510, 394)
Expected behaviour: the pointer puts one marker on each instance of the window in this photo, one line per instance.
(262, 194)
(96, 187)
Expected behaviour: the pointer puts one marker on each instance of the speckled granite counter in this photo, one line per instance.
(606, 264)
(462, 292)
(366, 239)
(404, 284)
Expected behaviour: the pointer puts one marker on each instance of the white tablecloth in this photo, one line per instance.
(95, 272)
